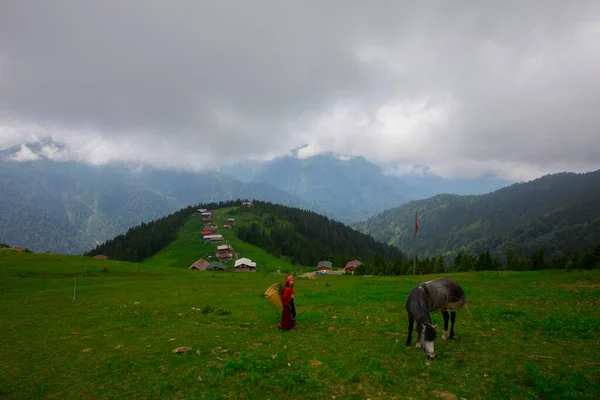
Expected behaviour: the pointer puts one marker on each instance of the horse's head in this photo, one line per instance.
(427, 338)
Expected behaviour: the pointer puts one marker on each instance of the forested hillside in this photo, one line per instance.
(557, 213)
(68, 207)
(147, 239)
(302, 236)
(308, 237)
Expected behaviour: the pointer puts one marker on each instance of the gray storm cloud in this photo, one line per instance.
(463, 88)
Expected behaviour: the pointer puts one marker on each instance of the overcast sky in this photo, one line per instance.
(458, 88)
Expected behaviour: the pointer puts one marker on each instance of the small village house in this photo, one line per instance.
(351, 266)
(216, 266)
(245, 265)
(231, 221)
(213, 238)
(224, 252)
(247, 204)
(100, 257)
(324, 266)
(200, 265)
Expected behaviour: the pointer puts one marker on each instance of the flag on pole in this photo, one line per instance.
(416, 223)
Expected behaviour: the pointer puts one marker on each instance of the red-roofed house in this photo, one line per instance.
(200, 265)
(351, 266)
(100, 257)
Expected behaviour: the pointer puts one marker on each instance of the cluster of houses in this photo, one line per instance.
(324, 266)
(203, 265)
(241, 265)
(224, 251)
(209, 231)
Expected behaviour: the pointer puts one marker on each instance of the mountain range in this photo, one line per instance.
(70, 207)
(557, 213)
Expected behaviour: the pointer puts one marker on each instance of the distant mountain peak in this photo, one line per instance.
(297, 149)
(43, 149)
(22, 153)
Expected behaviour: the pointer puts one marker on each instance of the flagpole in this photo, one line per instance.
(416, 229)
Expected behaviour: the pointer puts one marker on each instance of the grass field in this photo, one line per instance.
(532, 335)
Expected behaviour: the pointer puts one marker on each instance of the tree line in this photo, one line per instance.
(485, 261)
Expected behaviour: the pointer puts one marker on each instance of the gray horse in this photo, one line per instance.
(439, 294)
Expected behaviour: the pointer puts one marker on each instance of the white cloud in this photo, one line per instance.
(24, 154)
(461, 88)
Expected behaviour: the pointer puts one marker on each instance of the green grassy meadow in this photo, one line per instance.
(531, 335)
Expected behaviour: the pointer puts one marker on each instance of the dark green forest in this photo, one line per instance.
(308, 237)
(557, 213)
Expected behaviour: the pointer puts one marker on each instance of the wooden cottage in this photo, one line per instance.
(324, 266)
(224, 252)
(213, 238)
(200, 265)
(351, 266)
(245, 265)
(216, 266)
(100, 257)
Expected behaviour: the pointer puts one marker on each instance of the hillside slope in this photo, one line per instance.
(558, 213)
(290, 234)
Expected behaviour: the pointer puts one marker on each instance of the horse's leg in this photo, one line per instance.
(452, 319)
(446, 317)
(411, 321)
(419, 329)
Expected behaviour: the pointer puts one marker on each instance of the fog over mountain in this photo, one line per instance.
(448, 89)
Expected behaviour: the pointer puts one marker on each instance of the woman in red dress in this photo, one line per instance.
(288, 315)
